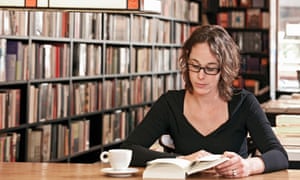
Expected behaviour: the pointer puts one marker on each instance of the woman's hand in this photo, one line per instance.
(237, 166)
(195, 155)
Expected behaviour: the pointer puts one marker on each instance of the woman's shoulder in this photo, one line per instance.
(242, 94)
(242, 97)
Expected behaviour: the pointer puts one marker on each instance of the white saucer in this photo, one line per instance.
(119, 173)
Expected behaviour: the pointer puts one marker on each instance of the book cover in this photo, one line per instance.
(175, 168)
(258, 3)
(54, 141)
(2, 59)
(253, 19)
(46, 142)
(90, 60)
(98, 63)
(80, 59)
(287, 120)
(253, 64)
(223, 19)
(238, 19)
(6, 23)
(13, 48)
(106, 129)
(245, 3)
(7, 148)
(252, 85)
(34, 148)
(11, 60)
(265, 16)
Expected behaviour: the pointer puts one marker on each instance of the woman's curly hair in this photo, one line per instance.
(223, 47)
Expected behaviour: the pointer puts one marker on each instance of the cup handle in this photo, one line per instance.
(104, 157)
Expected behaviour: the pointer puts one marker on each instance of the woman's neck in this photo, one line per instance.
(204, 100)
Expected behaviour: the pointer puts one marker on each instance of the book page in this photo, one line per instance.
(166, 168)
(212, 157)
(184, 164)
(205, 163)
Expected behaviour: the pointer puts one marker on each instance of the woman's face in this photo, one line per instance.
(202, 59)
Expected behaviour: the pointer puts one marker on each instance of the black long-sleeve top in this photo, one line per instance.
(245, 116)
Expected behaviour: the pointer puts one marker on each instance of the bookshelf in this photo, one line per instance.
(248, 23)
(73, 84)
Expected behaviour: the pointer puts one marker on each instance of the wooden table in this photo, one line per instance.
(59, 171)
(285, 104)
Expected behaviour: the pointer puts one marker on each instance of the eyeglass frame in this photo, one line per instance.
(204, 69)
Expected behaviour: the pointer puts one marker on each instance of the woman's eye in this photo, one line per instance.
(210, 68)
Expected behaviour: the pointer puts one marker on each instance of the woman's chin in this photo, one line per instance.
(201, 92)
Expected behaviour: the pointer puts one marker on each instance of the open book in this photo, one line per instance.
(175, 168)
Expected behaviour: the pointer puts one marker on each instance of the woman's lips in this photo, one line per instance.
(200, 85)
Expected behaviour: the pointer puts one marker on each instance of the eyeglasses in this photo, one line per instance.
(207, 69)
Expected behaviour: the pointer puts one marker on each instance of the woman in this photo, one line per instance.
(209, 116)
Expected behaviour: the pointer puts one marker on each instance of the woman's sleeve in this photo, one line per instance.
(147, 132)
(272, 152)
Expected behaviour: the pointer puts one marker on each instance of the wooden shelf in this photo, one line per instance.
(78, 71)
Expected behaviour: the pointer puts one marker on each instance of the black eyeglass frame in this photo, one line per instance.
(204, 69)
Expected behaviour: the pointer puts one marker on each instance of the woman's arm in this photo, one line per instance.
(272, 152)
(272, 156)
(147, 132)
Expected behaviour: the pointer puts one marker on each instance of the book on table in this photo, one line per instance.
(176, 168)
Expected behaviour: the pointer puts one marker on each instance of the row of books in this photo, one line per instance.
(48, 61)
(158, 60)
(243, 3)
(49, 101)
(154, 30)
(181, 9)
(254, 65)
(118, 27)
(87, 59)
(122, 60)
(97, 26)
(251, 18)
(96, 96)
(251, 42)
(10, 100)
(287, 130)
(118, 59)
(52, 141)
(116, 126)
(53, 60)
(51, 24)
(13, 60)
(45, 61)
(14, 22)
(9, 147)
(146, 29)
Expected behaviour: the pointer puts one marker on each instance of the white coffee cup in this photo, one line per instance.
(118, 158)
